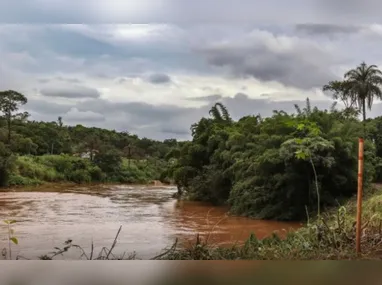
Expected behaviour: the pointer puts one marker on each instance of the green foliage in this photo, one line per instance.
(17, 180)
(274, 168)
(359, 88)
(108, 160)
(52, 152)
(9, 103)
(11, 236)
(35, 170)
(6, 164)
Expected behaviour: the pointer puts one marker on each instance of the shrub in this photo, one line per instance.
(80, 176)
(17, 180)
(96, 174)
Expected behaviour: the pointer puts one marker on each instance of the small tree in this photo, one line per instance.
(307, 148)
(9, 103)
(109, 160)
(6, 164)
(59, 122)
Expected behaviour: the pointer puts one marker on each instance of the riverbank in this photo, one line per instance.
(64, 185)
(38, 170)
(332, 237)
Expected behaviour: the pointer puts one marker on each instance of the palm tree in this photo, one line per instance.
(364, 83)
(220, 113)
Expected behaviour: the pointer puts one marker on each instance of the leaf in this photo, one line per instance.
(300, 127)
(300, 154)
(12, 222)
(14, 240)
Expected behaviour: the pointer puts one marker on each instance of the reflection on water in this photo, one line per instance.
(150, 219)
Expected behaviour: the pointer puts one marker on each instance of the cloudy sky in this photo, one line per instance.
(80, 60)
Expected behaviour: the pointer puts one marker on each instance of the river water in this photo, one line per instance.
(151, 220)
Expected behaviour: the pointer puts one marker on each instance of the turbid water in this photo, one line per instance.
(151, 220)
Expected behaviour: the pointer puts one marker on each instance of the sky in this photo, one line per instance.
(154, 67)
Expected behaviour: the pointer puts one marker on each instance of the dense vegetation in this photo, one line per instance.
(287, 165)
(34, 152)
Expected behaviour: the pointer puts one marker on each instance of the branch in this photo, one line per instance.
(114, 243)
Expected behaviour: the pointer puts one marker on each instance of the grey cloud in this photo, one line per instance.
(164, 121)
(242, 105)
(123, 79)
(44, 80)
(262, 55)
(120, 80)
(354, 10)
(59, 78)
(326, 29)
(70, 80)
(159, 78)
(206, 98)
(137, 112)
(74, 115)
(45, 107)
(70, 91)
(157, 122)
(176, 132)
(144, 119)
(183, 11)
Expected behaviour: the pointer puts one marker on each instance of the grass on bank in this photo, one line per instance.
(36, 170)
(332, 237)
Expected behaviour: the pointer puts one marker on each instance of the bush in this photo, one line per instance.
(80, 176)
(6, 164)
(61, 168)
(96, 174)
(17, 180)
(109, 161)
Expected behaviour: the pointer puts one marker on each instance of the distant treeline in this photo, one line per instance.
(118, 155)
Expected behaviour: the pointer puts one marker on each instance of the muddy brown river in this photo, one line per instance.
(151, 220)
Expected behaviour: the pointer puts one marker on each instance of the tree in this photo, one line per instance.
(6, 164)
(9, 103)
(341, 91)
(220, 113)
(108, 159)
(364, 83)
(59, 122)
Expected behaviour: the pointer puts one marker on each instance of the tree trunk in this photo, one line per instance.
(9, 127)
(317, 187)
(364, 116)
(129, 155)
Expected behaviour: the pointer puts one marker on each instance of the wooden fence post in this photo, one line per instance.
(359, 195)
